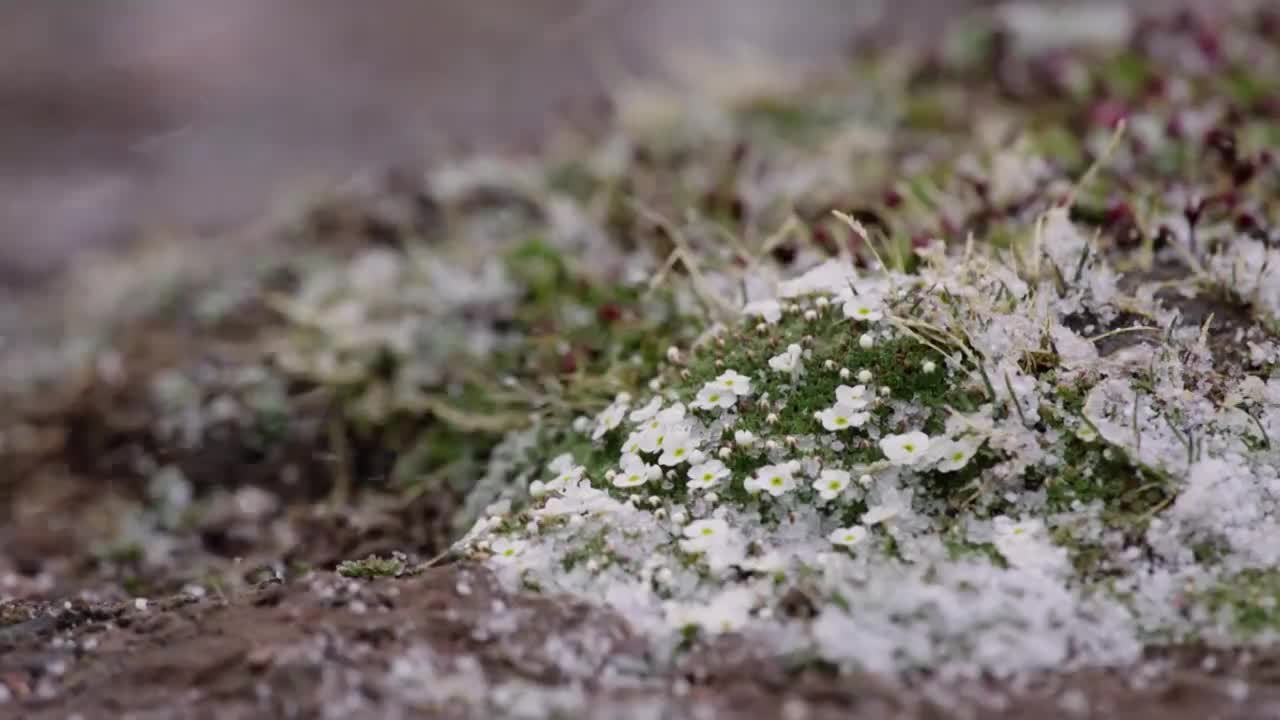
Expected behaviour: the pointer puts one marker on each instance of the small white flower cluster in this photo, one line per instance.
(849, 410)
(917, 449)
(727, 612)
(566, 472)
(506, 550)
(1025, 545)
(776, 480)
(612, 416)
(790, 361)
(570, 491)
(893, 504)
(665, 437)
(863, 307)
(721, 393)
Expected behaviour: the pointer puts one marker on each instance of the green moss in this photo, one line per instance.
(791, 119)
(1250, 599)
(371, 567)
(131, 553)
(13, 612)
(1093, 471)
(897, 364)
(573, 179)
(595, 548)
(1126, 75)
(1089, 558)
(135, 586)
(1089, 470)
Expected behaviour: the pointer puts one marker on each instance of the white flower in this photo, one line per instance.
(578, 499)
(831, 483)
(877, 514)
(567, 476)
(929, 367)
(679, 616)
(744, 438)
(866, 341)
(864, 376)
(905, 449)
(712, 396)
(506, 551)
(955, 454)
(849, 536)
(561, 463)
(677, 449)
(635, 472)
(609, 419)
(707, 474)
(865, 307)
(770, 310)
(734, 382)
(776, 480)
(852, 397)
(653, 439)
(1008, 529)
(703, 535)
(842, 417)
(647, 412)
(727, 613)
(865, 480)
(672, 415)
(788, 361)
(634, 442)
(1024, 545)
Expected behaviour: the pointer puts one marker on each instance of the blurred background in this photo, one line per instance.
(193, 113)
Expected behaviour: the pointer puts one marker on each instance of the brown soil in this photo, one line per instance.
(323, 646)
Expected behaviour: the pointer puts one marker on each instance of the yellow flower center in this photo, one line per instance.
(909, 447)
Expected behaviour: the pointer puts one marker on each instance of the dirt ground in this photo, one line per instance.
(323, 646)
